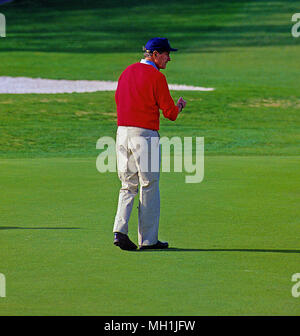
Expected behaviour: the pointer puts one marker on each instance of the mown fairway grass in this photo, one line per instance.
(234, 237)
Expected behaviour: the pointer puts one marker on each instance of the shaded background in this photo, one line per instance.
(118, 26)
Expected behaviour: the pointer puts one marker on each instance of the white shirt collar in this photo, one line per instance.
(144, 61)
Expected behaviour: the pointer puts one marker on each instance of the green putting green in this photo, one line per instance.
(234, 241)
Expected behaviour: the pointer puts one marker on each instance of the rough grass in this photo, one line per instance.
(234, 122)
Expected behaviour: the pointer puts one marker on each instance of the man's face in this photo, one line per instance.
(162, 59)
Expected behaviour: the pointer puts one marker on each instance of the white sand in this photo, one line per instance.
(40, 85)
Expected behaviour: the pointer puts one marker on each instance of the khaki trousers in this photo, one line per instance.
(137, 149)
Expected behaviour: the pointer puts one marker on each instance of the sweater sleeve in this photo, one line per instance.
(117, 90)
(164, 99)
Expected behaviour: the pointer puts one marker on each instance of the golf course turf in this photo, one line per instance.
(234, 237)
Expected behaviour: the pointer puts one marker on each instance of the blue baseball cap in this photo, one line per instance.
(159, 44)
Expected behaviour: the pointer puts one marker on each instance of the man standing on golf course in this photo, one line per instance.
(142, 91)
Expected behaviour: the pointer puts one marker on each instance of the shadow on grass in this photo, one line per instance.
(36, 228)
(175, 249)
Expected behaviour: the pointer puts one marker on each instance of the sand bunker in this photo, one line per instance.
(21, 85)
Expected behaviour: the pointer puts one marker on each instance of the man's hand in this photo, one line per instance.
(181, 104)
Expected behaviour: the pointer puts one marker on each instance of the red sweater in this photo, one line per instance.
(143, 90)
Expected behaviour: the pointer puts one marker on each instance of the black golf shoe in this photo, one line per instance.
(123, 241)
(158, 246)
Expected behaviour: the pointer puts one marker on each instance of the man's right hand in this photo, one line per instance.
(181, 104)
